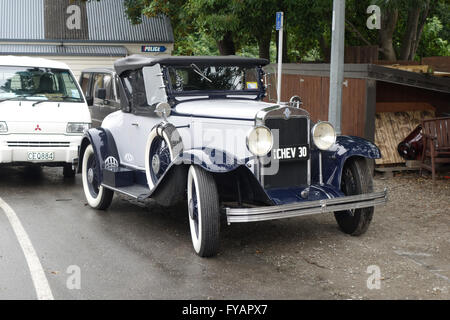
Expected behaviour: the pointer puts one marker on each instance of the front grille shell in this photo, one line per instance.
(290, 174)
(38, 144)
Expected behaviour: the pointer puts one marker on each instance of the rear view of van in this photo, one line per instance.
(43, 113)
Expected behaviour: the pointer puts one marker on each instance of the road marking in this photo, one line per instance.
(417, 254)
(37, 273)
(413, 257)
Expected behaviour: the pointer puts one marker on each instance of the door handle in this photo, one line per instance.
(135, 124)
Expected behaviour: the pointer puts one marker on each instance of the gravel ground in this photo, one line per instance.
(409, 240)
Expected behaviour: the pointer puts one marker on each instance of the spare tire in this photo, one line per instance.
(164, 144)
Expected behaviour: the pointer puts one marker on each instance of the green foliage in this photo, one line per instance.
(442, 11)
(196, 44)
(199, 24)
(431, 44)
(252, 51)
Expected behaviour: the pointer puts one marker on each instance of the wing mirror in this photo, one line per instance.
(163, 110)
(90, 101)
(101, 93)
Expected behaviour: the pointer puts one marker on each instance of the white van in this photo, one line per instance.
(43, 113)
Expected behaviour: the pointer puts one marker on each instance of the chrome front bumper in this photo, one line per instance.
(235, 215)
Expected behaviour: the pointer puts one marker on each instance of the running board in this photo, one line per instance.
(136, 191)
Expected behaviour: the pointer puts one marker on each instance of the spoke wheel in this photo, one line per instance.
(203, 209)
(97, 196)
(159, 158)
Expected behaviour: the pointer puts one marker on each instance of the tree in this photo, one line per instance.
(404, 20)
(389, 19)
(219, 20)
(231, 25)
(431, 43)
(417, 16)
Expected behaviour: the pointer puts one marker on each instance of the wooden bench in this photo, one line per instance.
(436, 144)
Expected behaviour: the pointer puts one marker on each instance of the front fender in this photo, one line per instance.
(333, 160)
(212, 160)
(225, 169)
(104, 146)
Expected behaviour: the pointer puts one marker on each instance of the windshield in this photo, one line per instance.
(213, 78)
(38, 84)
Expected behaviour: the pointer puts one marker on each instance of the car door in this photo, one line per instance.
(132, 139)
(114, 102)
(85, 84)
(86, 87)
(108, 104)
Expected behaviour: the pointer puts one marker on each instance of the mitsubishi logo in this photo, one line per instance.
(287, 113)
(37, 128)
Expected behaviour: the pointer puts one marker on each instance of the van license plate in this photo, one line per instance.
(41, 156)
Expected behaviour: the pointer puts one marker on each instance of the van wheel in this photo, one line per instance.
(97, 196)
(204, 213)
(68, 172)
(356, 179)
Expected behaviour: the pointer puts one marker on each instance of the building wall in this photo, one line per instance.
(78, 63)
(314, 92)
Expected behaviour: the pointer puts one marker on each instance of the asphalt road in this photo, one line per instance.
(135, 251)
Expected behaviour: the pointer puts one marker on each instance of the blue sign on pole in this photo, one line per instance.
(279, 20)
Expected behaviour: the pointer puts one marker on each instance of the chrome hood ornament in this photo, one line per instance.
(287, 113)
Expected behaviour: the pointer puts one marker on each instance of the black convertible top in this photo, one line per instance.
(137, 61)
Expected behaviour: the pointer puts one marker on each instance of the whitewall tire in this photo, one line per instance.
(163, 146)
(97, 196)
(203, 210)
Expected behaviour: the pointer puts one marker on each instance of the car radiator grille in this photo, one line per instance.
(292, 132)
(38, 144)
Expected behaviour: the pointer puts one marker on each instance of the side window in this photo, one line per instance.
(116, 80)
(98, 84)
(133, 82)
(108, 83)
(85, 84)
(103, 81)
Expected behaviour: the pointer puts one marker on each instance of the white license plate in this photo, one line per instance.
(41, 156)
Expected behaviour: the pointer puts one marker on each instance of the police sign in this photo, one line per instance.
(153, 49)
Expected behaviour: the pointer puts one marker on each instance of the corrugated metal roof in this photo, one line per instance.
(106, 19)
(31, 49)
(108, 22)
(21, 19)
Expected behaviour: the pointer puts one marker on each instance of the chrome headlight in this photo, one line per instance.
(324, 135)
(75, 127)
(3, 127)
(260, 141)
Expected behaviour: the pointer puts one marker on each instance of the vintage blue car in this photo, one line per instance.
(196, 129)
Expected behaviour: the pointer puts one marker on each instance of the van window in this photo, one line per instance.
(37, 84)
(85, 84)
(104, 81)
